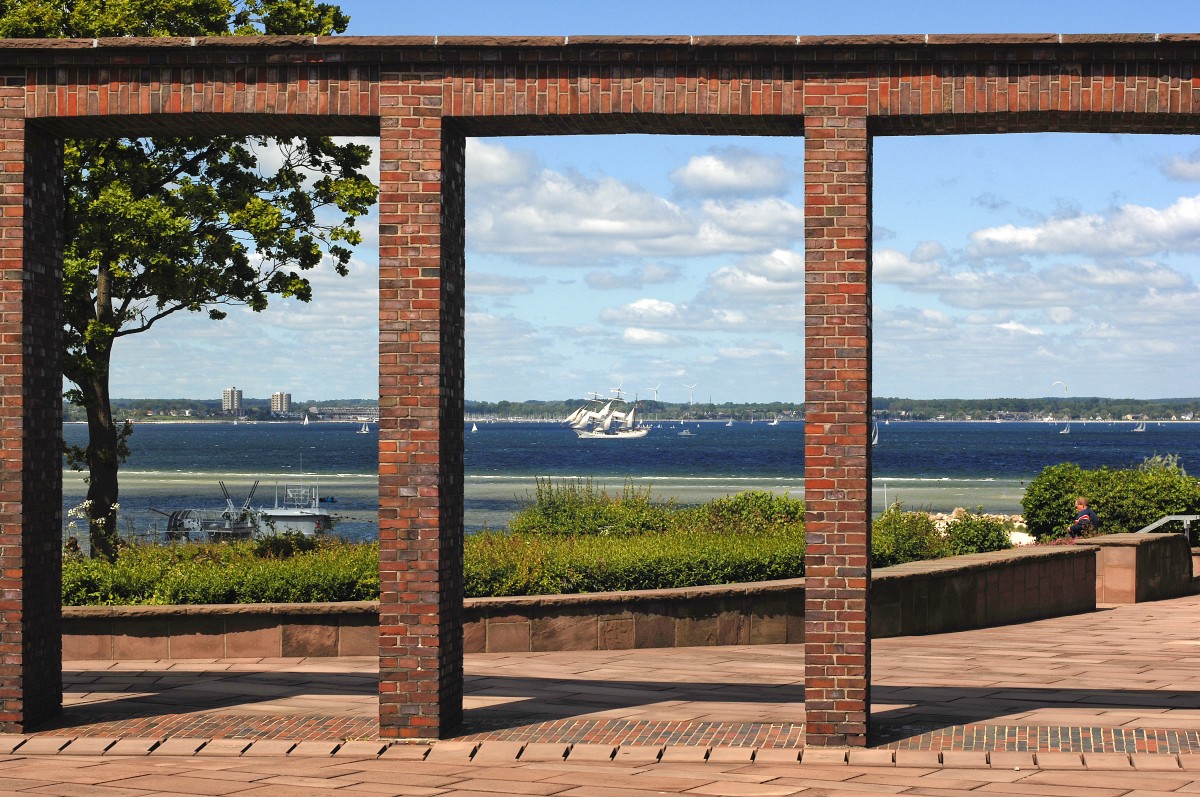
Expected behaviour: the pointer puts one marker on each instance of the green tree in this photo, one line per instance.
(160, 225)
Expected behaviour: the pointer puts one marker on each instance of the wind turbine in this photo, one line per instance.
(691, 391)
(654, 390)
(1066, 429)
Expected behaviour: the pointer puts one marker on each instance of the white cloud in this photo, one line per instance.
(761, 350)
(776, 277)
(568, 219)
(649, 274)
(659, 314)
(1127, 231)
(1181, 168)
(492, 165)
(647, 337)
(733, 171)
(896, 268)
(1016, 326)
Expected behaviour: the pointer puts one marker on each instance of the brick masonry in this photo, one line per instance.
(423, 96)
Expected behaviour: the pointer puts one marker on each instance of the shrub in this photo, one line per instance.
(577, 506)
(1126, 499)
(970, 533)
(898, 537)
(1049, 501)
(751, 512)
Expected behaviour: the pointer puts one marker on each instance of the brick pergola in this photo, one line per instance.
(423, 97)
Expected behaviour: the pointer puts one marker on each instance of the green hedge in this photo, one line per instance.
(524, 564)
(233, 573)
(1126, 499)
(898, 536)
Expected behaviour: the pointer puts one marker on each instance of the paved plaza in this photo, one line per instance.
(1105, 703)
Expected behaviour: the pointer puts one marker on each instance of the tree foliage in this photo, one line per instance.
(162, 225)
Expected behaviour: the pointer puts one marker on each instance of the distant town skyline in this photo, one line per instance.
(1002, 263)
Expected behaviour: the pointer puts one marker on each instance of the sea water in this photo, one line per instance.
(931, 465)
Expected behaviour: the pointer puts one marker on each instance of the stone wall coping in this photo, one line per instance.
(1128, 539)
(980, 561)
(675, 49)
(221, 610)
(949, 565)
(568, 41)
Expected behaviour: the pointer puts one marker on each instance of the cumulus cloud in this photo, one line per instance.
(492, 165)
(1016, 326)
(650, 274)
(1127, 231)
(650, 313)
(638, 336)
(774, 278)
(733, 171)
(1182, 168)
(567, 218)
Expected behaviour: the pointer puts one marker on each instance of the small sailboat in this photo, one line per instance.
(729, 422)
(1066, 429)
(874, 433)
(774, 421)
(474, 428)
(1141, 427)
(366, 429)
(305, 421)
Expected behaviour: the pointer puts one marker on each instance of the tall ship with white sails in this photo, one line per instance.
(593, 422)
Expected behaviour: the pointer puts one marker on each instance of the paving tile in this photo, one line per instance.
(724, 754)
(1189, 761)
(682, 754)
(1004, 759)
(1155, 762)
(1107, 761)
(871, 758)
(313, 749)
(637, 754)
(581, 753)
(224, 747)
(184, 747)
(10, 742)
(962, 759)
(44, 745)
(359, 748)
(777, 755)
(824, 756)
(270, 748)
(452, 752)
(88, 745)
(133, 746)
(1060, 760)
(737, 789)
(921, 758)
(406, 752)
(544, 752)
(497, 752)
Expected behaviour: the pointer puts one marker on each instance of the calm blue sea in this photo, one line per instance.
(935, 465)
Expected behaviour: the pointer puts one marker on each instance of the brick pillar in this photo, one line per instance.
(31, 429)
(837, 448)
(421, 317)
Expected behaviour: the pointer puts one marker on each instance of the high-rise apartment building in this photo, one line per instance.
(281, 402)
(231, 401)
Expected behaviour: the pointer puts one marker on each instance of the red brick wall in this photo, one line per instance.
(837, 378)
(423, 95)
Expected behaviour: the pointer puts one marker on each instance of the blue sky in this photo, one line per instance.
(1002, 263)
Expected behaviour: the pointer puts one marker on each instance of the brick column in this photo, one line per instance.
(31, 426)
(421, 317)
(837, 448)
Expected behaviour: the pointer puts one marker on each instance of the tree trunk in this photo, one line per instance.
(103, 459)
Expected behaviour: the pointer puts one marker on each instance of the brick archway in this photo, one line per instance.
(423, 97)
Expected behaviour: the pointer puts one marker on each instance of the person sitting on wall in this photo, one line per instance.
(1086, 519)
